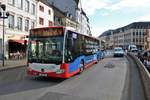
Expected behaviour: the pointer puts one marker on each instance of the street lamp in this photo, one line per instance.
(3, 15)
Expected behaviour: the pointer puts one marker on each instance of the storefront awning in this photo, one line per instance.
(18, 41)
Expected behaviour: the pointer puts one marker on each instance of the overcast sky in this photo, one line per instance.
(112, 14)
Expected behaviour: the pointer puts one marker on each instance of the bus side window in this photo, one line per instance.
(68, 51)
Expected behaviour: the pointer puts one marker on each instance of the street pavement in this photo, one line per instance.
(103, 81)
(110, 79)
(10, 64)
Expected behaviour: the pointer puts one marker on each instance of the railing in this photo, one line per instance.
(145, 75)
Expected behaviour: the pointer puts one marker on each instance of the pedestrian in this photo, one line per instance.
(18, 55)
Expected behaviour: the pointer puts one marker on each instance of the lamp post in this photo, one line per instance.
(3, 15)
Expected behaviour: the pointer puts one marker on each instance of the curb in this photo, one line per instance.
(10, 68)
(126, 93)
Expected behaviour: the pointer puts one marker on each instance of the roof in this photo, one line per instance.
(137, 25)
(106, 33)
(44, 1)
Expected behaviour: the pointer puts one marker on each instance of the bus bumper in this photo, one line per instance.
(46, 74)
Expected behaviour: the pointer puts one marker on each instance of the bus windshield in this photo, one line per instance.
(46, 49)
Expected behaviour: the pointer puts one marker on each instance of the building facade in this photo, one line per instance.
(84, 24)
(22, 17)
(130, 34)
(66, 6)
(83, 20)
(106, 40)
(75, 17)
(147, 40)
(70, 23)
(27, 14)
(64, 19)
(45, 14)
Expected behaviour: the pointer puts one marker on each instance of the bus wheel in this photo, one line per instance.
(81, 67)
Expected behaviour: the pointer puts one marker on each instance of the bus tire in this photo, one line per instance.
(81, 67)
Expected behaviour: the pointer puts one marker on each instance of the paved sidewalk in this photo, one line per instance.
(10, 64)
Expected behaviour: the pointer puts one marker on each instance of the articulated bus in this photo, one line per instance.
(60, 52)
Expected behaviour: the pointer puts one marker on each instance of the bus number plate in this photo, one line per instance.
(42, 74)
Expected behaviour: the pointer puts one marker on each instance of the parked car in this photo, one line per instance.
(118, 52)
(145, 58)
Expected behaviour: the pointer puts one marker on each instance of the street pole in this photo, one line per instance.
(3, 15)
(3, 40)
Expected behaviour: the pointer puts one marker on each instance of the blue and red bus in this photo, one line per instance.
(60, 52)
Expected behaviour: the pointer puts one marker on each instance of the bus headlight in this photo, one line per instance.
(60, 71)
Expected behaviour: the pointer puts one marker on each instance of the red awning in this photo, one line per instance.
(18, 41)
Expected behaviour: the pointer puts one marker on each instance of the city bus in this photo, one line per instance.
(60, 52)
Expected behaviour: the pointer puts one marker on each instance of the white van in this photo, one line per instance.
(133, 49)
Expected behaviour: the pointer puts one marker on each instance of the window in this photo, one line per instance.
(41, 21)
(27, 5)
(133, 40)
(19, 23)
(133, 33)
(32, 24)
(20, 4)
(50, 23)
(140, 33)
(33, 9)
(136, 40)
(48, 49)
(26, 25)
(12, 2)
(49, 12)
(41, 8)
(11, 21)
